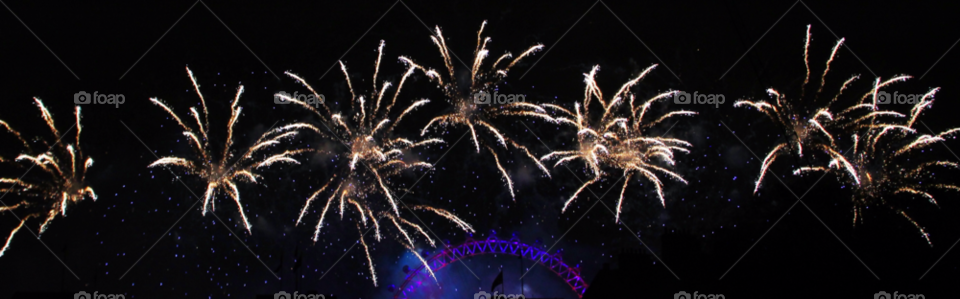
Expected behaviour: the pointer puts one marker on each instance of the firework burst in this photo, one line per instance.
(619, 139)
(879, 169)
(809, 123)
(64, 166)
(372, 156)
(223, 169)
(466, 112)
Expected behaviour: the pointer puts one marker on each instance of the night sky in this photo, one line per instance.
(145, 236)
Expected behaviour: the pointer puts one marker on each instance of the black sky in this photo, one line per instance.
(716, 218)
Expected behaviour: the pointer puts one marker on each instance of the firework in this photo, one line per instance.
(372, 156)
(466, 112)
(880, 168)
(877, 169)
(619, 139)
(809, 123)
(222, 170)
(64, 167)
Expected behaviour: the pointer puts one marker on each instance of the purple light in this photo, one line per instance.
(571, 275)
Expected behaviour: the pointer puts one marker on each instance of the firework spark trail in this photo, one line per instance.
(6, 245)
(466, 112)
(618, 139)
(222, 172)
(879, 137)
(424, 262)
(366, 250)
(63, 182)
(446, 214)
(806, 58)
(372, 157)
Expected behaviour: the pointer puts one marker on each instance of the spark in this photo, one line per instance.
(221, 171)
(619, 139)
(372, 156)
(62, 183)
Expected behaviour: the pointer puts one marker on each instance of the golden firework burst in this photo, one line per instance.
(221, 170)
(619, 138)
(466, 112)
(64, 168)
